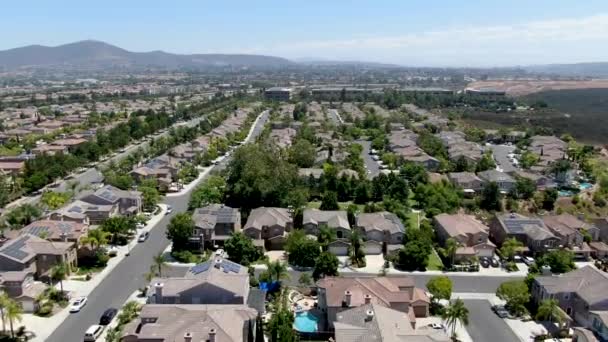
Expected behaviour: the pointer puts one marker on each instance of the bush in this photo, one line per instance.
(511, 266)
(186, 257)
(45, 309)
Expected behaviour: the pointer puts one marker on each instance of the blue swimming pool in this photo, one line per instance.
(585, 186)
(565, 193)
(306, 322)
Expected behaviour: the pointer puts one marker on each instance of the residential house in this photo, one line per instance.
(271, 225)
(214, 224)
(579, 293)
(164, 169)
(58, 231)
(314, 219)
(336, 295)
(570, 230)
(532, 232)
(377, 323)
(50, 150)
(31, 253)
(191, 323)
(467, 231)
(21, 286)
(599, 325)
(129, 203)
(85, 213)
(12, 168)
(599, 249)
(504, 181)
(70, 143)
(602, 226)
(548, 148)
(468, 181)
(383, 227)
(540, 180)
(216, 281)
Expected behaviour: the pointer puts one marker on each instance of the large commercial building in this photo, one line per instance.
(278, 94)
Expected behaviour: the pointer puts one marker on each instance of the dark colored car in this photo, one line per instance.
(107, 316)
(494, 262)
(485, 263)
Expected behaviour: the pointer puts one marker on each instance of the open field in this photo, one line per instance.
(521, 88)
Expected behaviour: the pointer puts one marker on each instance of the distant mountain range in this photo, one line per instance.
(95, 54)
(592, 69)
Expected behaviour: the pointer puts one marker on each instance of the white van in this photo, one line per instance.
(93, 333)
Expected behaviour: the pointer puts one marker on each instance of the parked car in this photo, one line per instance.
(107, 316)
(219, 253)
(139, 225)
(500, 311)
(437, 326)
(93, 333)
(143, 237)
(495, 262)
(169, 210)
(528, 260)
(484, 262)
(78, 304)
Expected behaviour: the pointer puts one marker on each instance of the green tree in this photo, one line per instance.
(240, 249)
(549, 198)
(209, 192)
(277, 270)
(159, 262)
(59, 272)
(560, 261)
(13, 313)
(4, 303)
(490, 197)
(524, 188)
(22, 216)
(415, 252)
(179, 231)
(326, 236)
(449, 251)
(150, 197)
(485, 163)
(356, 254)
(330, 201)
(301, 250)
(509, 248)
(118, 225)
(326, 265)
(440, 288)
(305, 279)
(456, 313)
(54, 200)
(95, 238)
(280, 326)
(302, 153)
(549, 310)
(516, 294)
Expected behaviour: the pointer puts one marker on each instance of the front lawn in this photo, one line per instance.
(435, 263)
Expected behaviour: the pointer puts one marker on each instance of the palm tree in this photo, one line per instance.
(455, 313)
(451, 246)
(96, 238)
(13, 313)
(549, 310)
(277, 270)
(4, 300)
(326, 236)
(159, 262)
(59, 272)
(357, 255)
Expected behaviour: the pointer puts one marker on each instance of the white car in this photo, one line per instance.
(78, 304)
(219, 253)
(437, 326)
(93, 333)
(169, 210)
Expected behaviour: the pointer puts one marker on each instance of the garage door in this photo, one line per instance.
(338, 250)
(373, 248)
(485, 252)
(28, 305)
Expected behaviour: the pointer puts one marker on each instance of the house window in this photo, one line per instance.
(569, 311)
(567, 296)
(339, 234)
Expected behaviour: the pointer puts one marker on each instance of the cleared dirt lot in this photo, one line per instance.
(520, 88)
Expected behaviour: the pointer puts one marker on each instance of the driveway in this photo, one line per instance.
(484, 325)
(370, 165)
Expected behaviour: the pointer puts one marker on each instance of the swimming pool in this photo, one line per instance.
(565, 193)
(585, 186)
(306, 322)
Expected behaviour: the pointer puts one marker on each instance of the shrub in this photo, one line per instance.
(511, 266)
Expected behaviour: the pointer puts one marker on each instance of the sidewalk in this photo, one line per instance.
(43, 327)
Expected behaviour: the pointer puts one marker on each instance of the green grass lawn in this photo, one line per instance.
(412, 219)
(435, 263)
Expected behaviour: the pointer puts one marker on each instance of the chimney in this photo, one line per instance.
(369, 315)
(212, 335)
(188, 337)
(368, 299)
(158, 293)
(347, 297)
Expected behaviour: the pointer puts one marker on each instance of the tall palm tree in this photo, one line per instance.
(451, 246)
(4, 300)
(549, 310)
(159, 262)
(326, 236)
(13, 313)
(59, 272)
(357, 255)
(277, 270)
(455, 313)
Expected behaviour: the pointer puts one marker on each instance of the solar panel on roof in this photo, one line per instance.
(75, 209)
(200, 268)
(14, 250)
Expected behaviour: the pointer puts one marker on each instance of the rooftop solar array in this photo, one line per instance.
(15, 250)
(76, 209)
(108, 195)
(517, 225)
(229, 266)
(200, 268)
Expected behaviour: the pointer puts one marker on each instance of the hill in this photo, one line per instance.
(95, 54)
(593, 69)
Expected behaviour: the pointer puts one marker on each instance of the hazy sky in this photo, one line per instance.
(408, 32)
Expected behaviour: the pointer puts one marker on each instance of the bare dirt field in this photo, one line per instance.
(520, 88)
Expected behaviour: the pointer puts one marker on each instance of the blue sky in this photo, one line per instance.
(409, 32)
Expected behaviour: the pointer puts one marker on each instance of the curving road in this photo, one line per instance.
(128, 276)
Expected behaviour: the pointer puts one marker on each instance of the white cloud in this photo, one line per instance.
(550, 41)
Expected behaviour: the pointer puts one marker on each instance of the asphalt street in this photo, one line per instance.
(128, 276)
(335, 117)
(370, 164)
(485, 325)
(501, 157)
